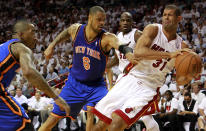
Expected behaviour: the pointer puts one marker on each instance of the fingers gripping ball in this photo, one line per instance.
(188, 66)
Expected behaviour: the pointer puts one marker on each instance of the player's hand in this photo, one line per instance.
(179, 52)
(63, 105)
(131, 58)
(175, 54)
(49, 52)
(187, 50)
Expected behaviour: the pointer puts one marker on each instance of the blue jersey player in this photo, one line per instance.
(16, 53)
(85, 85)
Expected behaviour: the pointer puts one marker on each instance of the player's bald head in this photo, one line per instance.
(25, 32)
(21, 26)
(93, 10)
(126, 14)
(126, 22)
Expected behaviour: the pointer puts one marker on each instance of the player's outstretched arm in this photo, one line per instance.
(113, 61)
(142, 49)
(110, 40)
(25, 57)
(63, 36)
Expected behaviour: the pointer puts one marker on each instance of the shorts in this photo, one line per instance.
(78, 96)
(12, 115)
(130, 99)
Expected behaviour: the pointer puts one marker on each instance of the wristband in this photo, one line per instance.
(125, 49)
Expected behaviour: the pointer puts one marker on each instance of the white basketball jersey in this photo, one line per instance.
(153, 72)
(127, 39)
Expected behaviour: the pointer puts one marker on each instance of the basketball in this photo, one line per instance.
(189, 63)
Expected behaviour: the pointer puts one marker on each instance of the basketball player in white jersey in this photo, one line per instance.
(129, 37)
(135, 95)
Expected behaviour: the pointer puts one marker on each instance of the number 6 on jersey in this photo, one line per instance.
(86, 63)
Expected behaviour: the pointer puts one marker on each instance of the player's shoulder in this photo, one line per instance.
(137, 32)
(153, 27)
(19, 47)
(151, 30)
(74, 27)
(108, 35)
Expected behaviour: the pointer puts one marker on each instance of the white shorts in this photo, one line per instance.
(130, 99)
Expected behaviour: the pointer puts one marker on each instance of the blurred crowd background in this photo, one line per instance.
(53, 16)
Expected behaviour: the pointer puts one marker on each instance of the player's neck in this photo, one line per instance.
(89, 33)
(15, 37)
(21, 40)
(170, 34)
(126, 32)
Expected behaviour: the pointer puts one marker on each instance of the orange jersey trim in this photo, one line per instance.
(9, 47)
(75, 37)
(5, 60)
(23, 124)
(58, 116)
(7, 69)
(10, 107)
(88, 42)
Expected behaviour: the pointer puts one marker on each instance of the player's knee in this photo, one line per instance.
(117, 122)
(100, 126)
(90, 115)
(49, 123)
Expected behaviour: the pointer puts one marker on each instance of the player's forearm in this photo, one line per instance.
(149, 54)
(110, 77)
(36, 79)
(112, 62)
(63, 36)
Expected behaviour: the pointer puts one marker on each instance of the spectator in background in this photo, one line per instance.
(37, 102)
(30, 113)
(188, 112)
(173, 87)
(52, 76)
(44, 71)
(196, 94)
(169, 108)
(64, 69)
(12, 93)
(20, 97)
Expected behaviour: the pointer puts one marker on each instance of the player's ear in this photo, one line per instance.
(20, 34)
